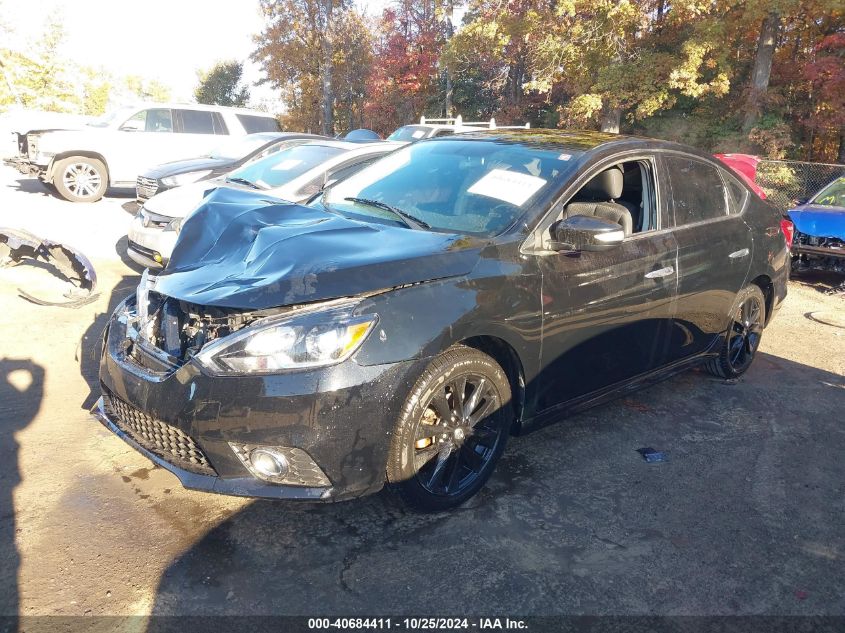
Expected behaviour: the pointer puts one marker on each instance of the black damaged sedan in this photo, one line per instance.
(401, 326)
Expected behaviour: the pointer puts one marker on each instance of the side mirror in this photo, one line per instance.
(586, 233)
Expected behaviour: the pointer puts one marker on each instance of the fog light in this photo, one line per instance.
(269, 463)
(157, 257)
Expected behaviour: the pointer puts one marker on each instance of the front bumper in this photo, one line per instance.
(149, 245)
(820, 251)
(342, 417)
(24, 166)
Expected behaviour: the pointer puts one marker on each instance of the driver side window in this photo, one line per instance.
(623, 193)
(152, 120)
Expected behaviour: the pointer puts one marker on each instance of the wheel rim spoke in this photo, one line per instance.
(454, 468)
(475, 399)
(459, 389)
(474, 461)
(439, 466)
(487, 407)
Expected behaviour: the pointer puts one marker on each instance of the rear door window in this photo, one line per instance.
(253, 123)
(698, 193)
(197, 122)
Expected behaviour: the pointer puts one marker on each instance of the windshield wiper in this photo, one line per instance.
(243, 181)
(407, 218)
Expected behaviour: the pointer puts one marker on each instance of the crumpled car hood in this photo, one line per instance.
(238, 250)
(819, 221)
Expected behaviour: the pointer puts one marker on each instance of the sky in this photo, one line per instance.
(167, 40)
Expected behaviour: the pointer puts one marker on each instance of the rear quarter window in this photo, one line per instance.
(698, 192)
(253, 123)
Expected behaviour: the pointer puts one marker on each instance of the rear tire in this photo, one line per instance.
(744, 333)
(80, 179)
(452, 430)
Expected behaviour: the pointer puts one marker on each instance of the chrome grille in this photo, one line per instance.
(158, 437)
(145, 188)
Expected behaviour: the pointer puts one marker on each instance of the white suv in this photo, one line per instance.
(112, 150)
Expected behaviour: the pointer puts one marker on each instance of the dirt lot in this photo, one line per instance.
(746, 517)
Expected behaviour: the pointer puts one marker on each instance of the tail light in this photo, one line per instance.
(788, 229)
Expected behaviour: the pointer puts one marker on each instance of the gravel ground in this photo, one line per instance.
(744, 518)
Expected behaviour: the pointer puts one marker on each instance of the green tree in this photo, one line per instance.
(221, 85)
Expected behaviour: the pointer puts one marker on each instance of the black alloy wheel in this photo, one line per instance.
(454, 428)
(743, 336)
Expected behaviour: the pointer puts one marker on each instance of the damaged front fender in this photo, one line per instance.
(17, 245)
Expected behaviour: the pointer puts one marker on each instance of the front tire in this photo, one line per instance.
(743, 337)
(452, 430)
(80, 179)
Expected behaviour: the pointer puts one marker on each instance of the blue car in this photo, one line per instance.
(819, 240)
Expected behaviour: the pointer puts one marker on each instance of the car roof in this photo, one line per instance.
(576, 140)
(198, 106)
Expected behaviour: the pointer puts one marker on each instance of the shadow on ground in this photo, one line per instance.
(745, 517)
(21, 393)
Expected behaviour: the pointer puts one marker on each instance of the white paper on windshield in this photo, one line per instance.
(418, 134)
(564, 157)
(509, 186)
(290, 163)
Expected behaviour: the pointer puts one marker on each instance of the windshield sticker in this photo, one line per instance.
(509, 186)
(290, 163)
(564, 157)
(418, 134)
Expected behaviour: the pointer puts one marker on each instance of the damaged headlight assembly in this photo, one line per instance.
(289, 342)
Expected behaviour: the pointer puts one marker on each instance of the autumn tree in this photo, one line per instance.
(405, 81)
(221, 85)
(297, 51)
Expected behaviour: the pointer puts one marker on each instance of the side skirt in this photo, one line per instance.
(612, 392)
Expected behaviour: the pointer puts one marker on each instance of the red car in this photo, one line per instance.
(745, 166)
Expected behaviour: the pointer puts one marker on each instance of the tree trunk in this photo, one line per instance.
(840, 155)
(327, 118)
(762, 70)
(611, 116)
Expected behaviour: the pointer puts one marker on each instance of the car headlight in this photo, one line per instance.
(174, 225)
(184, 179)
(303, 340)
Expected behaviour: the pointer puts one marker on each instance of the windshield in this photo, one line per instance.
(238, 147)
(461, 186)
(410, 133)
(105, 120)
(833, 195)
(280, 168)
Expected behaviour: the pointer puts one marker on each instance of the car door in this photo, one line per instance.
(714, 252)
(606, 315)
(144, 140)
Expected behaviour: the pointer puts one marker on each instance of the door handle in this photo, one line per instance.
(740, 253)
(663, 272)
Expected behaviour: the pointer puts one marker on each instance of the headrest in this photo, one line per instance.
(606, 185)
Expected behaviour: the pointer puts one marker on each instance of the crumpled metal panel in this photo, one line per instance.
(239, 250)
(819, 221)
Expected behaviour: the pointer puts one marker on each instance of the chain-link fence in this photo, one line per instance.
(786, 181)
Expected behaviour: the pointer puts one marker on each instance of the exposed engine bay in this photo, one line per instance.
(181, 329)
(810, 252)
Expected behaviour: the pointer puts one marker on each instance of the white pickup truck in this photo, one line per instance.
(80, 164)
